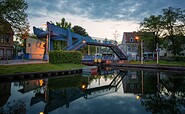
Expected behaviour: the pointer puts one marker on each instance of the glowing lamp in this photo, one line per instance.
(138, 97)
(84, 41)
(83, 86)
(137, 38)
(41, 113)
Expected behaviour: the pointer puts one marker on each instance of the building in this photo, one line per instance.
(6, 40)
(35, 48)
(131, 45)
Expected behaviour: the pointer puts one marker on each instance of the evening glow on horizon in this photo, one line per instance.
(100, 18)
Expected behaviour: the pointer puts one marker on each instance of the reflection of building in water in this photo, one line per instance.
(132, 83)
(5, 89)
(140, 82)
(31, 85)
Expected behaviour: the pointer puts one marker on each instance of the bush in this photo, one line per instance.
(179, 58)
(58, 57)
(173, 58)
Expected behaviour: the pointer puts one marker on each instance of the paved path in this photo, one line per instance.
(19, 61)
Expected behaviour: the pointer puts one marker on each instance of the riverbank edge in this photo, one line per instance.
(158, 67)
(32, 75)
(79, 71)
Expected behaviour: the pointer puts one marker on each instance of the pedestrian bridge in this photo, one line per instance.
(74, 41)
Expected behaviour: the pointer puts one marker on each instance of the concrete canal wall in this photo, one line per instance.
(37, 75)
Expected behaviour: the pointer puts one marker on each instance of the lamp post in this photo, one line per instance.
(47, 42)
(141, 49)
(157, 49)
(141, 52)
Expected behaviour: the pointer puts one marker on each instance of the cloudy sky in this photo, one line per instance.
(100, 18)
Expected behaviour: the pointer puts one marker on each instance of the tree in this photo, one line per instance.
(58, 45)
(174, 26)
(64, 24)
(170, 27)
(79, 30)
(151, 29)
(13, 11)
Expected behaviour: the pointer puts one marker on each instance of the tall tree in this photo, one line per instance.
(174, 26)
(151, 29)
(170, 26)
(58, 45)
(79, 30)
(63, 23)
(13, 11)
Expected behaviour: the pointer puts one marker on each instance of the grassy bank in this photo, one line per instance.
(11, 69)
(171, 63)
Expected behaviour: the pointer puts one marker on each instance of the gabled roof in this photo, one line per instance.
(128, 35)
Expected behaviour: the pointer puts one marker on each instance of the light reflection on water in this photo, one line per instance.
(122, 91)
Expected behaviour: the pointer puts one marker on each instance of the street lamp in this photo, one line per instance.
(141, 49)
(157, 49)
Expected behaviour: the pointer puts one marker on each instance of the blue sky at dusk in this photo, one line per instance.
(100, 18)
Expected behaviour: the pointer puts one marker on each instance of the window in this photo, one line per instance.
(131, 39)
(6, 39)
(129, 48)
(134, 48)
(2, 39)
(1, 53)
(8, 53)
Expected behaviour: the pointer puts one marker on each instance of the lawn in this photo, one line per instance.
(11, 69)
(171, 63)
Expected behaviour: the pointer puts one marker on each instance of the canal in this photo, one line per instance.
(109, 91)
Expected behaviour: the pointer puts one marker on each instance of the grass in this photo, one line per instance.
(170, 63)
(12, 69)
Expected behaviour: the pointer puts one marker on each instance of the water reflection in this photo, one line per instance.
(151, 91)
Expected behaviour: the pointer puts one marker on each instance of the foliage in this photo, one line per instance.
(63, 23)
(167, 29)
(151, 29)
(68, 81)
(84, 50)
(168, 61)
(79, 30)
(169, 98)
(58, 57)
(174, 58)
(174, 29)
(13, 11)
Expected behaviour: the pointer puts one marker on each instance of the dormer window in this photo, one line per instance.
(131, 39)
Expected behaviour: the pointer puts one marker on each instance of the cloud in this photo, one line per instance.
(101, 9)
(100, 18)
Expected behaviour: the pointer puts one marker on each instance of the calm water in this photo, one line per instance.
(109, 92)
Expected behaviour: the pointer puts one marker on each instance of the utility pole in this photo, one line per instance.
(157, 53)
(141, 51)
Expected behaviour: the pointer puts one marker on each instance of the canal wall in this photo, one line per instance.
(38, 75)
(144, 66)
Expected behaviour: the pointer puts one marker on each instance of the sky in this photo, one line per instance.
(100, 18)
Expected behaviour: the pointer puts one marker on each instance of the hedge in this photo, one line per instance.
(173, 58)
(58, 57)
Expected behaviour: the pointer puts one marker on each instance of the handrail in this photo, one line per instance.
(76, 41)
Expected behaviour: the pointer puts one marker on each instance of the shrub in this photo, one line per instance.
(173, 58)
(58, 57)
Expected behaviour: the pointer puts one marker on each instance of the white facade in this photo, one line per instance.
(131, 46)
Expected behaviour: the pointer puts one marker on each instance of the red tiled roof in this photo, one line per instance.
(128, 35)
